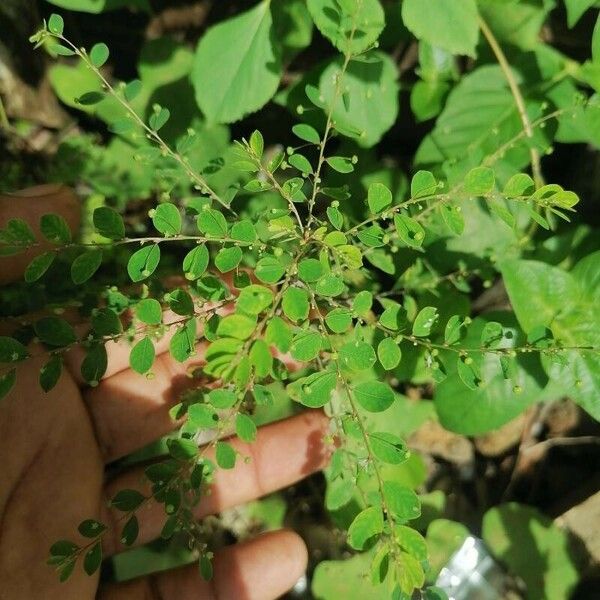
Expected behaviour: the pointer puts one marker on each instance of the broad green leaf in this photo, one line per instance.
(576, 8)
(295, 304)
(479, 181)
(12, 350)
(402, 502)
(245, 428)
(167, 219)
(99, 54)
(253, 299)
(379, 197)
(225, 455)
(389, 354)
(409, 230)
(94, 364)
(143, 262)
(310, 270)
(362, 302)
(372, 93)
(108, 222)
(212, 222)
(300, 162)
(307, 133)
(85, 265)
(306, 345)
(315, 390)
(279, 334)
(105, 321)
(340, 164)
(237, 65)
(195, 262)
(424, 321)
(180, 302)
(357, 356)
(269, 269)
(423, 184)
(388, 447)
(56, 24)
(183, 343)
(350, 27)
(365, 526)
(236, 326)
(50, 373)
(141, 357)
(93, 559)
(534, 548)
(149, 311)
(374, 396)
(222, 399)
(243, 231)
(452, 26)
(38, 266)
(55, 331)
(228, 259)
(339, 320)
(330, 285)
(55, 229)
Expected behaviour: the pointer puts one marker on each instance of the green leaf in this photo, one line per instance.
(108, 222)
(54, 331)
(362, 302)
(452, 216)
(253, 299)
(279, 334)
(11, 350)
(180, 302)
(245, 428)
(374, 396)
(55, 229)
(310, 270)
(519, 184)
(269, 269)
(452, 332)
(99, 54)
(424, 321)
(91, 528)
(130, 531)
(159, 118)
(350, 27)
(576, 9)
(149, 311)
(94, 364)
(306, 345)
(237, 67)
(452, 26)
(468, 372)
(195, 262)
(492, 334)
(339, 320)
(534, 547)
(105, 321)
(295, 304)
(85, 265)
(301, 163)
(340, 164)
(228, 259)
(236, 326)
(357, 356)
(90, 98)
(366, 525)
(212, 222)
(379, 197)
(166, 218)
(93, 559)
(183, 343)
(143, 262)
(56, 25)
(371, 90)
(38, 266)
(141, 357)
(307, 133)
(330, 285)
(393, 317)
(225, 455)
(202, 416)
(244, 231)
(389, 354)
(257, 143)
(409, 230)
(315, 390)
(222, 399)
(402, 502)
(388, 448)
(50, 373)
(479, 181)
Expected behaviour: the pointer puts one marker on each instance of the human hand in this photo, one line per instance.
(54, 446)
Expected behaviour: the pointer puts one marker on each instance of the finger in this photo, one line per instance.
(282, 454)
(261, 569)
(129, 410)
(30, 205)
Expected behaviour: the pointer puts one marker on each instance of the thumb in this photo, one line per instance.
(30, 205)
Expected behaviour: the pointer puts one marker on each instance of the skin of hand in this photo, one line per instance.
(54, 447)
